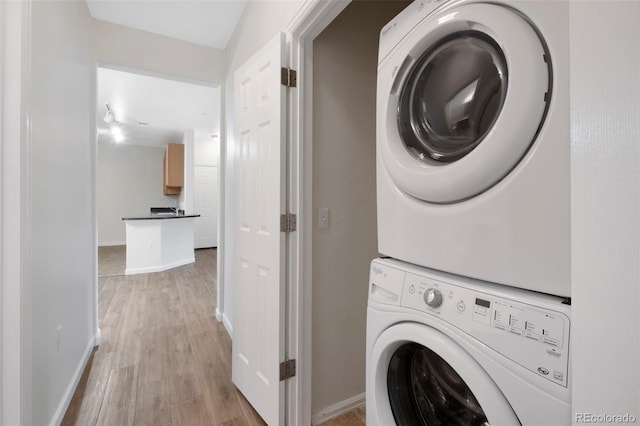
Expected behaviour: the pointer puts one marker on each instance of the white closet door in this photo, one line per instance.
(259, 261)
(205, 204)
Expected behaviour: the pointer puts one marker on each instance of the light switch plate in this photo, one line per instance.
(323, 218)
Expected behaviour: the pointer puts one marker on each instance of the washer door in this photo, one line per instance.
(423, 378)
(462, 99)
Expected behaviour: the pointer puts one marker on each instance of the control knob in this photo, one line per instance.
(433, 297)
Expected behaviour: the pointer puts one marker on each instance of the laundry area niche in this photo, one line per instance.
(345, 57)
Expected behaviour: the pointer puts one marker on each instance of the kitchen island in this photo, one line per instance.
(156, 243)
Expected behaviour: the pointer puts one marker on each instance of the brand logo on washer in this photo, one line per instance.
(543, 370)
(377, 270)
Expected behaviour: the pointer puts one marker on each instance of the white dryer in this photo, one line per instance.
(473, 140)
(447, 350)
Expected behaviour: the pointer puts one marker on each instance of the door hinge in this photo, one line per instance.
(288, 77)
(288, 222)
(287, 369)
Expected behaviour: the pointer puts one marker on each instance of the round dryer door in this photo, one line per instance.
(423, 378)
(465, 95)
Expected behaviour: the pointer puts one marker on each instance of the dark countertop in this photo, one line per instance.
(154, 217)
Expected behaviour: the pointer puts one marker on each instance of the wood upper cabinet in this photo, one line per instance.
(173, 169)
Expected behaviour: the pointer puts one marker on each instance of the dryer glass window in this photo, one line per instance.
(425, 390)
(452, 97)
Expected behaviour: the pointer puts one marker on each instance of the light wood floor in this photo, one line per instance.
(164, 359)
(111, 260)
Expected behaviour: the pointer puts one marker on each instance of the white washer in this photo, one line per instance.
(448, 350)
(473, 140)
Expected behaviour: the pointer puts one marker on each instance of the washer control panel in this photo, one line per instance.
(534, 337)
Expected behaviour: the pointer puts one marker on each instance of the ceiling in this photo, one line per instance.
(205, 22)
(154, 111)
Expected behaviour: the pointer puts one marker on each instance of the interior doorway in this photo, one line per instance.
(137, 116)
(345, 59)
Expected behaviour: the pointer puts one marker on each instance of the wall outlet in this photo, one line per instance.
(59, 337)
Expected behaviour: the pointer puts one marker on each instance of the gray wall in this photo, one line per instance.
(344, 169)
(605, 207)
(129, 181)
(61, 265)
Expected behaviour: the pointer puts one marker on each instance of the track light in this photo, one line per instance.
(110, 119)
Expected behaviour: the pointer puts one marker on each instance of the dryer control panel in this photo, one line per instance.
(400, 26)
(529, 328)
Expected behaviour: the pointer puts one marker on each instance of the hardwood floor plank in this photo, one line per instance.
(86, 402)
(253, 418)
(118, 405)
(190, 412)
(361, 414)
(114, 313)
(129, 342)
(154, 315)
(172, 304)
(183, 384)
(153, 405)
(107, 288)
(214, 372)
(198, 301)
(238, 421)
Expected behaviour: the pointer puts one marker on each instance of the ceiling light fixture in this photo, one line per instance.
(117, 133)
(110, 119)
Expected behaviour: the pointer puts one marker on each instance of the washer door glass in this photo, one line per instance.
(425, 390)
(453, 97)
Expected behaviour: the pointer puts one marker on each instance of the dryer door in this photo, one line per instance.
(461, 100)
(423, 378)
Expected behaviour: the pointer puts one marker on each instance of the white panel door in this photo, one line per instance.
(259, 176)
(205, 203)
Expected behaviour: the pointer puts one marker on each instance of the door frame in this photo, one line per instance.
(220, 253)
(15, 207)
(312, 18)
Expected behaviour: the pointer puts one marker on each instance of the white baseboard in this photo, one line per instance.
(97, 339)
(227, 325)
(338, 409)
(112, 243)
(73, 384)
(218, 315)
(150, 269)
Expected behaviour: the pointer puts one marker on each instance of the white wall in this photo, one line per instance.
(260, 22)
(60, 231)
(141, 50)
(186, 194)
(344, 180)
(129, 182)
(605, 217)
(14, 356)
(206, 149)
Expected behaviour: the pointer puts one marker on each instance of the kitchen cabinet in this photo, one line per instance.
(173, 169)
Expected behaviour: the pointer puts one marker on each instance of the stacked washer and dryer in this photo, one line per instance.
(468, 319)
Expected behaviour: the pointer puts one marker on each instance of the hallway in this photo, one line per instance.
(164, 359)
